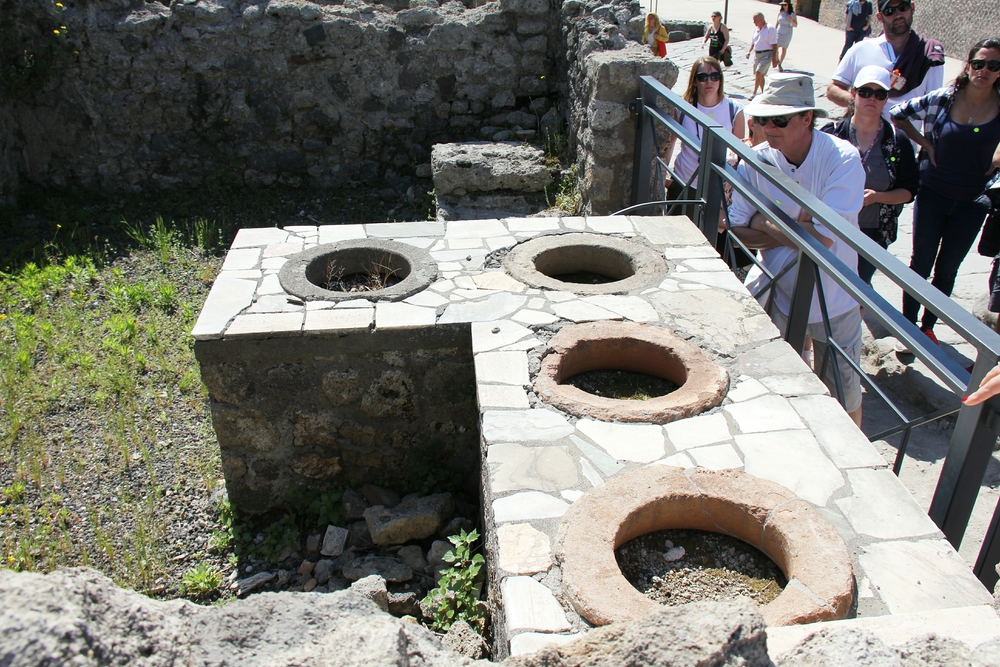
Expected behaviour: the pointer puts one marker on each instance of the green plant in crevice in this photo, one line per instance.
(312, 508)
(567, 196)
(456, 597)
(200, 581)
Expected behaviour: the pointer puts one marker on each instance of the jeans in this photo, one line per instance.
(865, 268)
(943, 232)
(852, 37)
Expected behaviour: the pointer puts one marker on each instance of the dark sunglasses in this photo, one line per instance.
(714, 76)
(978, 64)
(892, 9)
(866, 92)
(780, 122)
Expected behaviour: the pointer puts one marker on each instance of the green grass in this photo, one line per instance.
(106, 445)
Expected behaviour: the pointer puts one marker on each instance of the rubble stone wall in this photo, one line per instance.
(144, 94)
(340, 410)
(139, 94)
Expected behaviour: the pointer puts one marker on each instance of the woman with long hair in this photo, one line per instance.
(706, 92)
(655, 35)
(891, 176)
(785, 25)
(960, 151)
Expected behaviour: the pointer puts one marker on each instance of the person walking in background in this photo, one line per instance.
(891, 175)
(916, 64)
(858, 23)
(960, 150)
(762, 46)
(655, 35)
(785, 24)
(705, 91)
(831, 170)
(717, 38)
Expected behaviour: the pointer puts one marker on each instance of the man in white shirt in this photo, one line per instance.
(830, 169)
(916, 63)
(762, 45)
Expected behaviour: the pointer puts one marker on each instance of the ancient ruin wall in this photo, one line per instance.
(138, 94)
(340, 410)
(281, 91)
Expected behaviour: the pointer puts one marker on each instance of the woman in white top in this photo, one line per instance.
(704, 91)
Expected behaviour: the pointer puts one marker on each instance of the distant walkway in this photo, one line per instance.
(739, 77)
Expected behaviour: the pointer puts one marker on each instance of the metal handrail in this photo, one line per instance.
(972, 442)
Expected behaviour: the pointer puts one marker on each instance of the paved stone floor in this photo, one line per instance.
(778, 421)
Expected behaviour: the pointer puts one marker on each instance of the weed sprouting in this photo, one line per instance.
(14, 493)
(378, 274)
(457, 597)
(200, 581)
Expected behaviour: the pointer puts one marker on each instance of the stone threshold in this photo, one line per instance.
(778, 421)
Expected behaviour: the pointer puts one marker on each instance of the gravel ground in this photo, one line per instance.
(675, 567)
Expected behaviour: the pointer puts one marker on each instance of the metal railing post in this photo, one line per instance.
(964, 466)
(798, 311)
(989, 554)
(710, 185)
(642, 164)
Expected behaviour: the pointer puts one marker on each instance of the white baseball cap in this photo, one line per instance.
(873, 74)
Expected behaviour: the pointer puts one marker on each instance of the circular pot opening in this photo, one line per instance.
(357, 270)
(372, 269)
(631, 348)
(584, 263)
(789, 531)
(675, 567)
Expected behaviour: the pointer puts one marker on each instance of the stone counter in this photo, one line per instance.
(778, 421)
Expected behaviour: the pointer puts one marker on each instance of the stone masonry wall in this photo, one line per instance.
(605, 129)
(340, 410)
(958, 24)
(285, 90)
(145, 94)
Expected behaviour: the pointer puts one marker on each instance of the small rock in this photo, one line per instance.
(337, 584)
(413, 556)
(284, 576)
(334, 541)
(376, 495)
(309, 585)
(413, 520)
(402, 604)
(409, 619)
(359, 536)
(461, 638)
(244, 586)
(306, 567)
(373, 588)
(312, 544)
(435, 555)
(673, 554)
(354, 505)
(323, 571)
(389, 569)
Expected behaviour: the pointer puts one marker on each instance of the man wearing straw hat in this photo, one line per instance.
(830, 169)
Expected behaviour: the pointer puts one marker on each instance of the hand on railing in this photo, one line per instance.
(990, 386)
